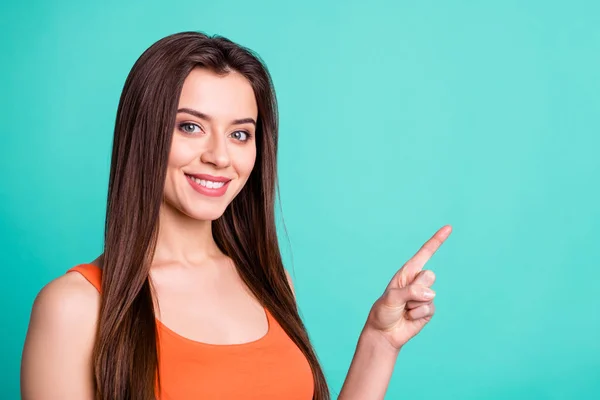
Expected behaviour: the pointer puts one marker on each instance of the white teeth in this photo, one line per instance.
(208, 184)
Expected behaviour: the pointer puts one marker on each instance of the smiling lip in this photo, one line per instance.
(211, 192)
(212, 178)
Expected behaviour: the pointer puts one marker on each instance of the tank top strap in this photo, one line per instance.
(91, 273)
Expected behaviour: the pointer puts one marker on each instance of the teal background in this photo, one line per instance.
(396, 118)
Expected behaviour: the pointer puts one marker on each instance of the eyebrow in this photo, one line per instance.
(209, 119)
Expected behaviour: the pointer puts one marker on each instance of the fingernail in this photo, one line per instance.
(429, 294)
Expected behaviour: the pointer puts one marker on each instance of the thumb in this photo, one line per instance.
(425, 278)
(399, 297)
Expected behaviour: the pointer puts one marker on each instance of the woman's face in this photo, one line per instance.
(214, 148)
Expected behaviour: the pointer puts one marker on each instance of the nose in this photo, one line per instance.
(216, 152)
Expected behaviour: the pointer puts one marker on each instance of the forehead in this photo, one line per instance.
(223, 97)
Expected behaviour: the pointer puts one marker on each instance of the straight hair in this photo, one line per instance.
(126, 352)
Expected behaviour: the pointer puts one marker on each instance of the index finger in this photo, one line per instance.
(418, 261)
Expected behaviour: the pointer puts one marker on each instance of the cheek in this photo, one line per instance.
(180, 154)
(245, 162)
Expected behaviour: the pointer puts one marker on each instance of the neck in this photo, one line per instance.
(182, 239)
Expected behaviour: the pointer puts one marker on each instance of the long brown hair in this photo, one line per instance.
(126, 353)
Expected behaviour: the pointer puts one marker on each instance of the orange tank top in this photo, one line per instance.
(272, 367)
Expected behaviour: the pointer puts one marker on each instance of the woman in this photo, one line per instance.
(195, 302)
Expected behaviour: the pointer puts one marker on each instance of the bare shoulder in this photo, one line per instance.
(57, 356)
(68, 301)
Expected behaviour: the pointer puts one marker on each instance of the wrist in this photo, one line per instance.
(371, 368)
(376, 341)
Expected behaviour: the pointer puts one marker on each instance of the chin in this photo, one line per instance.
(204, 215)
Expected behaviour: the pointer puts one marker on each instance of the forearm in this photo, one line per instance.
(371, 368)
